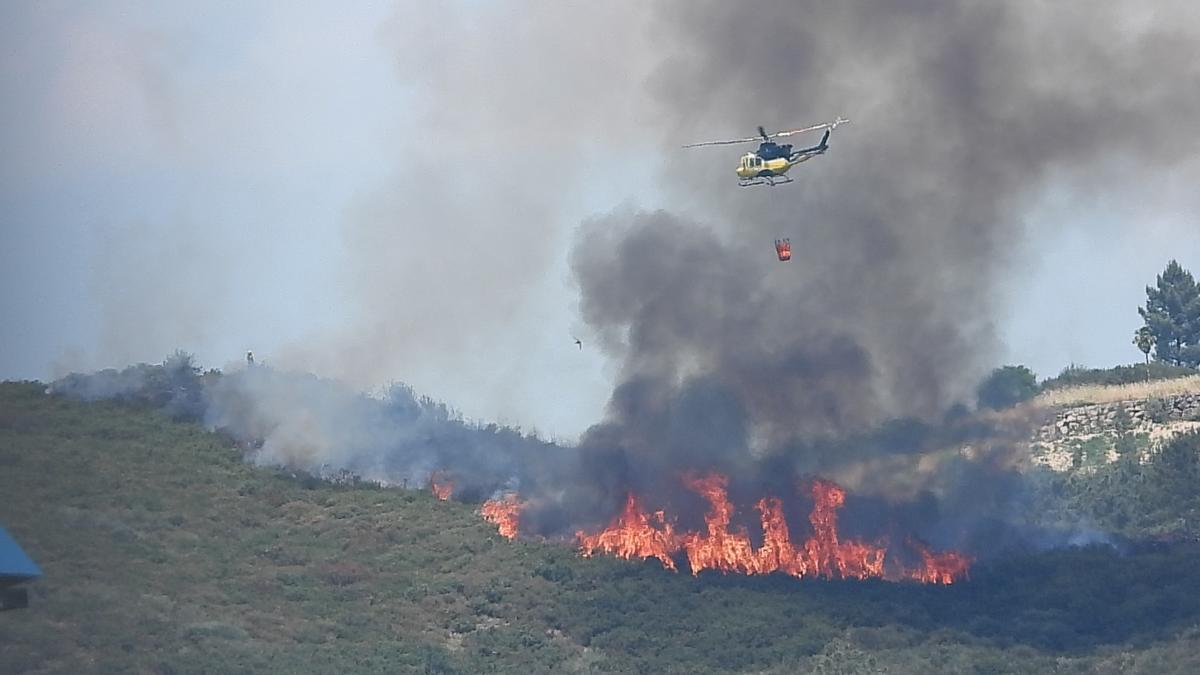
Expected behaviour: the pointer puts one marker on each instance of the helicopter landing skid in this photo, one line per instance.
(766, 180)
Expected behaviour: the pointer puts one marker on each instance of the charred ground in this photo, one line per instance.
(165, 552)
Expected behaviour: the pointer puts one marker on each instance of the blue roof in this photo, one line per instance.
(15, 565)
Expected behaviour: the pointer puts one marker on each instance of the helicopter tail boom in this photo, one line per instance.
(819, 149)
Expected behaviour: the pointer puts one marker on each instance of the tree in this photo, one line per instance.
(1169, 491)
(1144, 339)
(1126, 444)
(1172, 315)
(1007, 386)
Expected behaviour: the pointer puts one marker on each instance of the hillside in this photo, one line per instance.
(164, 552)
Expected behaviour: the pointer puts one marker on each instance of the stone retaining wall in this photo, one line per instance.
(1102, 417)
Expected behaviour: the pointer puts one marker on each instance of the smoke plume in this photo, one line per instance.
(963, 113)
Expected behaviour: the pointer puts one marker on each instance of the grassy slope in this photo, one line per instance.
(164, 552)
(1137, 391)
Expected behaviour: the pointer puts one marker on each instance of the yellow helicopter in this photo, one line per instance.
(770, 164)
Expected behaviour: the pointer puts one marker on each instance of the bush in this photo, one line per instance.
(1158, 410)
(214, 630)
(1006, 387)
(175, 386)
(1075, 375)
(1156, 498)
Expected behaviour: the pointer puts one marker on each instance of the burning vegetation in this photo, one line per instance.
(441, 485)
(504, 514)
(638, 533)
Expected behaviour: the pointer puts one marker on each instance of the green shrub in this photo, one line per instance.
(1075, 375)
(1157, 410)
(1006, 387)
(214, 630)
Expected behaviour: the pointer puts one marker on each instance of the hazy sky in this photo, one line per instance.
(382, 191)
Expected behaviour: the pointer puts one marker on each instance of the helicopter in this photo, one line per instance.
(770, 163)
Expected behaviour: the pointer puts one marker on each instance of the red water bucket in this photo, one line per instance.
(783, 248)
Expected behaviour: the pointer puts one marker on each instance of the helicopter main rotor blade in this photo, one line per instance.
(753, 139)
(779, 134)
(824, 125)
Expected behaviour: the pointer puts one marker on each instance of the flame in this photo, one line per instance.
(636, 533)
(504, 513)
(831, 557)
(939, 568)
(440, 485)
(633, 536)
(823, 554)
(777, 552)
(718, 548)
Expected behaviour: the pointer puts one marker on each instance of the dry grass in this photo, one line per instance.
(1140, 391)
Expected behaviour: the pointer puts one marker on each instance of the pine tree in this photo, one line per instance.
(1172, 315)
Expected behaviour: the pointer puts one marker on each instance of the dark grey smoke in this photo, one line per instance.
(963, 114)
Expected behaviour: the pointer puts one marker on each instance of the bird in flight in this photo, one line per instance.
(579, 344)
